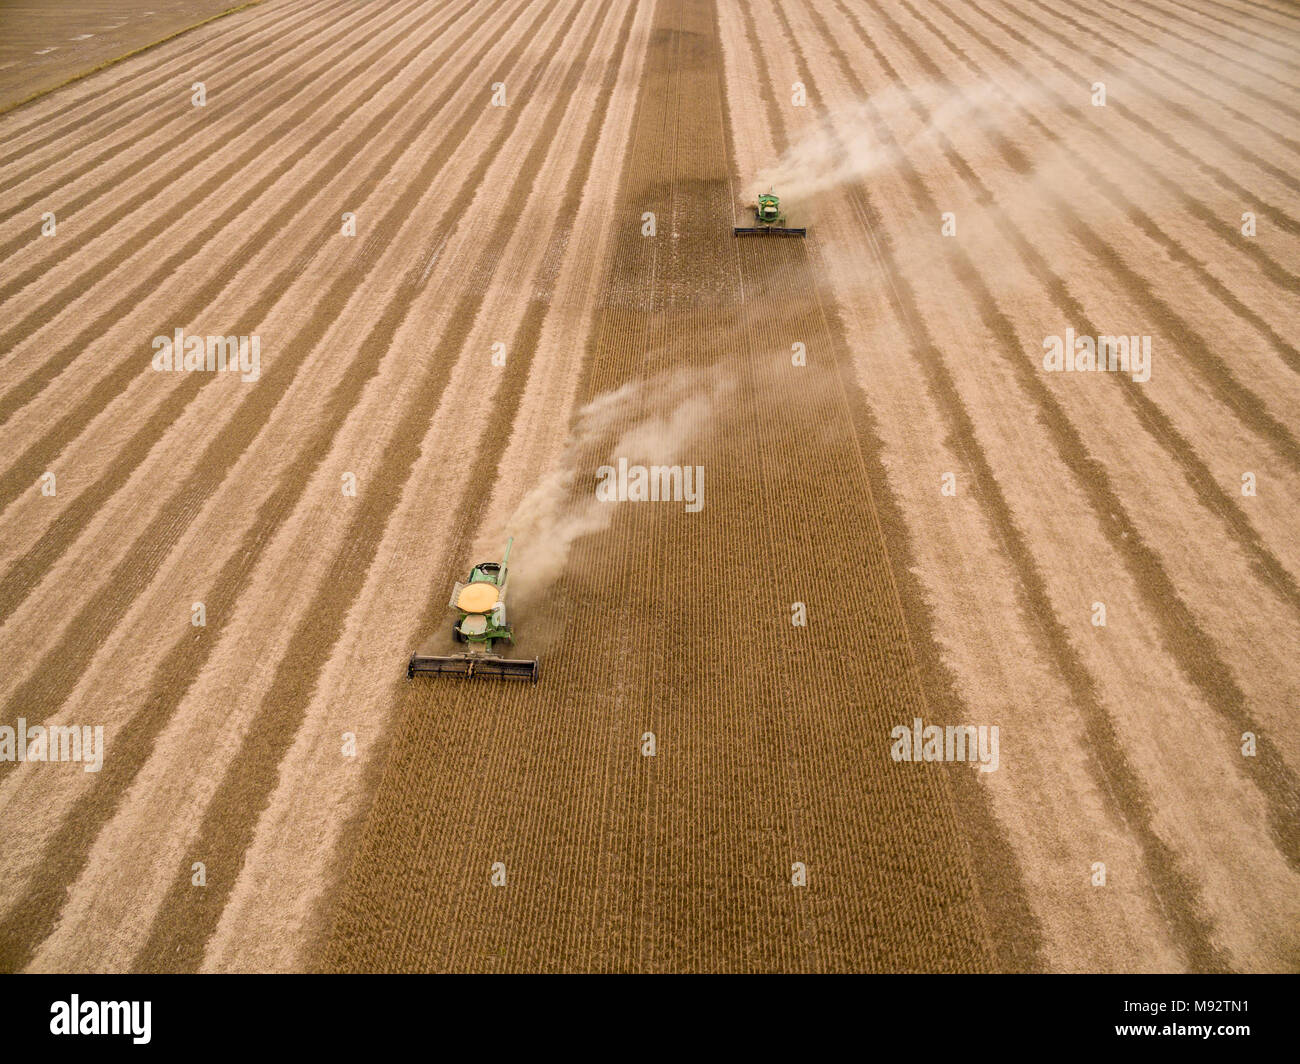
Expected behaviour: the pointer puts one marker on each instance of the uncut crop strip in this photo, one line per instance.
(1011, 926)
(879, 352)
(668, 870)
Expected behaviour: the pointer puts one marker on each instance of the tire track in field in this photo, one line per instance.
(767, 268)
(43, 313)
(111, 183)
(643, 809)
(121, 88)
(1207, 489)
(27, 924)
(706, 940)
(21, 577)
(1187, 114)
(808, 917)
(1175, 894)
(618, 906)
(813, 919)
(597, 868)
(187, 921)
(1196, 654)
(490, 792)
(410, 913)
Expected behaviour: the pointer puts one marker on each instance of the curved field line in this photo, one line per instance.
(1236, 11)
(1197, 208)
(1280, 218)
(1268, 266)
(1251, 61)
(1217, 71)
(169, 168)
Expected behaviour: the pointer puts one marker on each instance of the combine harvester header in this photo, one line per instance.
(769, 218)
(480, 605)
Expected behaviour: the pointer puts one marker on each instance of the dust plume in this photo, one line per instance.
(650, 421)
(843, 147)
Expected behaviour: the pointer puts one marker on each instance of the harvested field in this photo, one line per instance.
(485, 251)
(45, 44)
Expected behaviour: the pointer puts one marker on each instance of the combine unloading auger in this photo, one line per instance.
(769, 219)
(480, 605)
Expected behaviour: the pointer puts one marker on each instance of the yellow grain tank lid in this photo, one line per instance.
(477, 597)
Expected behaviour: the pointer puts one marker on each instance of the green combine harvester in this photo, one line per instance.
(770, 219)
(480, 605)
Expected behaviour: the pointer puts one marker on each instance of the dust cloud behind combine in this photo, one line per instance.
(656, 421)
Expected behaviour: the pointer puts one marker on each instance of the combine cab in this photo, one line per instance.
(769, 218)
(480, 605)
